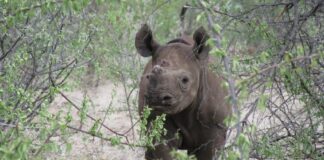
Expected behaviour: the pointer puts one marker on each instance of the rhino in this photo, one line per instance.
(177, 82)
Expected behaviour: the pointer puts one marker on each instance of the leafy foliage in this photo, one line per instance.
(151, 132)
(270, 53)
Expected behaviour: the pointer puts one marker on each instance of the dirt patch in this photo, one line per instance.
(107, 104)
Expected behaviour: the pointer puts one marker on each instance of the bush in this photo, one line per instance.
(270, 53)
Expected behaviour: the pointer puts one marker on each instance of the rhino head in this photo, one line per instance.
(172, 79)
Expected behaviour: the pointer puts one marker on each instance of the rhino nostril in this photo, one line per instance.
(148, 76)
(167, 98)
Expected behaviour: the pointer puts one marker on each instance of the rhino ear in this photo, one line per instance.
(144, 41)
(200, 48)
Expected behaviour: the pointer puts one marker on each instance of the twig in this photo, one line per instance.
(12, 47)
(46, 141)
(156, 9)
(76, 107)
(127, 102)
(26, 9)
(103, 138)
(278, 65)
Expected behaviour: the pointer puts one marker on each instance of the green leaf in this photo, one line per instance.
(95, 127)
(262, 102)
(218, 52)
(233, 155)
(242, 140)
(68, 147)
(230, 120)
(115, 140)
(217, 28)
(68, 117)
(264, 56)
(199, 16)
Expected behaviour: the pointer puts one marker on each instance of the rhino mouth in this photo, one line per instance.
(160, 101)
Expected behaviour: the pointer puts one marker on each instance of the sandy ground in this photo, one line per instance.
(88, 147)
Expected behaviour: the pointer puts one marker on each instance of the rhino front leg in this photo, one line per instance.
(161, 151)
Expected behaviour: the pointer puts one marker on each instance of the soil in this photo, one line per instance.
(85, 146)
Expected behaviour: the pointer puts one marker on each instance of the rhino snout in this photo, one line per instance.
(163, 99)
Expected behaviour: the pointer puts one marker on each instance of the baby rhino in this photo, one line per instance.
(177, 82)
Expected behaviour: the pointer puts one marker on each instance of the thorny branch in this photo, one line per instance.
(286, 78)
